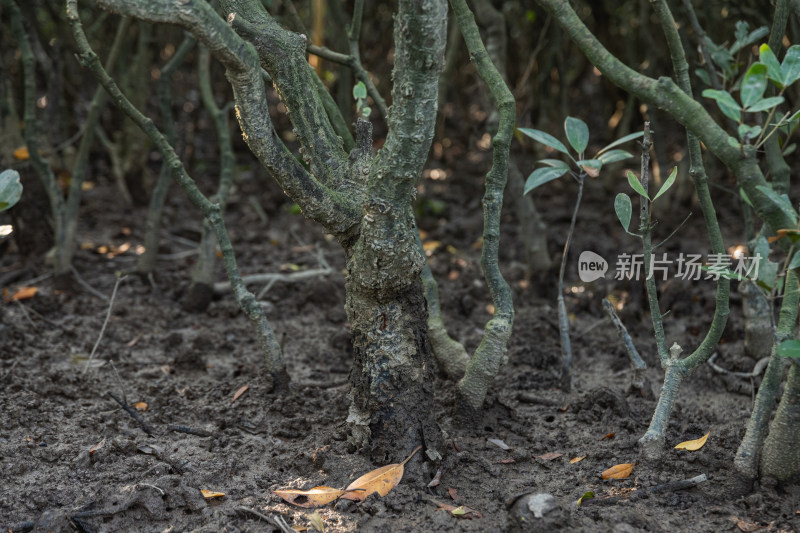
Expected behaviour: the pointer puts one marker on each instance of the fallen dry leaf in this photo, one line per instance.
(693, 445)
(609, 436)
(132, 342)
(140, 406)
(748, 527)
(239, 392)
(436, 479)
(23, 293)
(97, 446)
(462, 511)
(620, 471)
(465, 512)
(500, 444)
(453, 493)
(577, 459)
(429, 246)
(211, 494)
(549, 456)
(22, 153)
(505, 461)
(316, 497)
(316, 522)
(381, 480)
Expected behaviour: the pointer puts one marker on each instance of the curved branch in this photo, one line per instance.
(665, 94)
(337, 212)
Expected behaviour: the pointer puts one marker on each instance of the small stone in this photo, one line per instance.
(541, 504)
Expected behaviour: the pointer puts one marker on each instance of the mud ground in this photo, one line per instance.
(72, 459)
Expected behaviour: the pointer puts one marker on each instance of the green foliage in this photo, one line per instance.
(781, 200)
(623, 208)
(667, 184)
(360, 96)
(635, 184)
(751, 91)
(10, 189)
(577, 133)
(790, 348)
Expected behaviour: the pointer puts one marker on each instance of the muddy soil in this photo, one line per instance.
(72, 459)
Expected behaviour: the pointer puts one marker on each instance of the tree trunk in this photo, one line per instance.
(780, 457)
(392, 375)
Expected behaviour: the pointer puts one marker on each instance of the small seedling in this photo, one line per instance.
(579, 168)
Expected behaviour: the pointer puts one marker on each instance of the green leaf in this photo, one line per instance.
(636, 184)
(790, 68)
(767, 56)
(765, 103)
(753, 84)
(667, 184)
(10, 189)
(360, 91)
(748, 133)
(745, 39)
(726, 273)
(623, 208)
(745, 197)
(586, 496)
(790, 348)
(621, 140)
(555, 163)
(545, 138)
(795, 262)
(767, 270)
(726, 103)
(577, 134)
(365, 111)
(540, 176)
(612, 156)
(781, 200)
(703, 75)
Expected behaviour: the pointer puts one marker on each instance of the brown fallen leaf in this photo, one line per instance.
(97, 446)
(140, 406)
(577, 459)
(22, 153)
(239, 392)
(23, 293)
(620, 471)
(436, 479)
(749, 527)
(549, 456)
(453, 493)
(381, 480)
(609, 436)
(316, 497)
(693, 445)
(505, 461)
(211, 494)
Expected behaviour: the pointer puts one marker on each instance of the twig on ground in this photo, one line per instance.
(86, 286)
(622, 331)
(8, 373)
(105, 323)
(190, 430)
(272, 278)
(147, 428)
(278, 521)
(672, 486)
(527, 397)
(757, 369)
(26, 315)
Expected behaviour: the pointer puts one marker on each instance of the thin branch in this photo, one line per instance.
(105, 323)
(211, 211)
